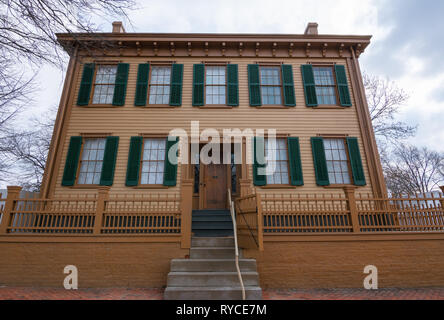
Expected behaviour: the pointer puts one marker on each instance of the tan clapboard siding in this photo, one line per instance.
(129, 121)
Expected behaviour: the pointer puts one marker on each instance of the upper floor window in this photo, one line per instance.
(153, 161)
(270, 81)
(337, 161)
(215, 85)
(160, 85)
(104, 84)
(279, 162)
(325, 85)
(91, 161)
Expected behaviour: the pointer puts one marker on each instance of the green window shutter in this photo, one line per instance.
(86, 84)
(309, 85)
(320, 164)
(72, 161)
(120, 84)
(356, 162)
(288, 85)
(233, 85)
(254, 86)
(176, 85)
(132, 170)
(294, 154)
(109, 161)
(142, 84)
(198, 84)
(170, 173)
(259, 144)
(341, 80)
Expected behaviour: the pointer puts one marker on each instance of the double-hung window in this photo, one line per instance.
(271, 85)
(325, 85)
(91, 161)
(153, 159)
(337, 161)
(215, 85)
(160, 85)
(104, 84)
(277, 165)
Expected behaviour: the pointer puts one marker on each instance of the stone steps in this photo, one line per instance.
(210, 273)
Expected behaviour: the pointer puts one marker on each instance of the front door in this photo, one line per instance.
(215, 186)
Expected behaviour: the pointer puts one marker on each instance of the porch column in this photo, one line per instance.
(13, 194)
(244, 181)
(351, 200)
(102, 196)
(186, 206)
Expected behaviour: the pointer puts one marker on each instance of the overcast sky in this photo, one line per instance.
(407, 44)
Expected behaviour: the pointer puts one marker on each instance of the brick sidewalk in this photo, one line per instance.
(14, 293)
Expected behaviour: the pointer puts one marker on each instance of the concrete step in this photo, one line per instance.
(211, 225)
(213, 242)
(213, 233)
(212, 253)
(211, 279)
(212, 265)
(211, 293)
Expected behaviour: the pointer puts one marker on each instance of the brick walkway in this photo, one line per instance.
(10, 293)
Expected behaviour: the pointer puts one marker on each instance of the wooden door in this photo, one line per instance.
(215, 186)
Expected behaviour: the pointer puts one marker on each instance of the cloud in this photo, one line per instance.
(415, 28)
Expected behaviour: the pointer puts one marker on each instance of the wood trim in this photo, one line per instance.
(54, 238)
(365, 124)
(60, 126)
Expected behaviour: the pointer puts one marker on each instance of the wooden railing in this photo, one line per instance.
(249, 221)
(91, 215)
(306, 214)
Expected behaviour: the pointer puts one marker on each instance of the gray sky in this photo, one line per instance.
(406, 45)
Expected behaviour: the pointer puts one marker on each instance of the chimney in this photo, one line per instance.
(118, 27)
(312, 29)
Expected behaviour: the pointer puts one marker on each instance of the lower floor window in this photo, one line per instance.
(337, 161)
(279, 163)
(91, 161)
(153, 161)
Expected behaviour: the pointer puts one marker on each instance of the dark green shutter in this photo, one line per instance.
(356, 162)
(254, 87)
(309, 85)
(170, 173)
(86, 84)
(198, 84)
(288, 85)
(233, 85)
(132, 170)
(341, 80)
(109, 161)
(176, 85)
(72, 161)
(142, 84)
(120, 84)
(259, 144)
(294, 154)
(320, 164)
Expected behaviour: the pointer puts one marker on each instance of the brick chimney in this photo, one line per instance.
(118, 27)
(312, 29)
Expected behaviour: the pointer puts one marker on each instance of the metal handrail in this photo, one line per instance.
(236, 248)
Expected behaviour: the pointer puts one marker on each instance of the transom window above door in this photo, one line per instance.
(270, 81)
(104, 84)
(215, 85)
(325, 85)
(337, 161)
(160, 85)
